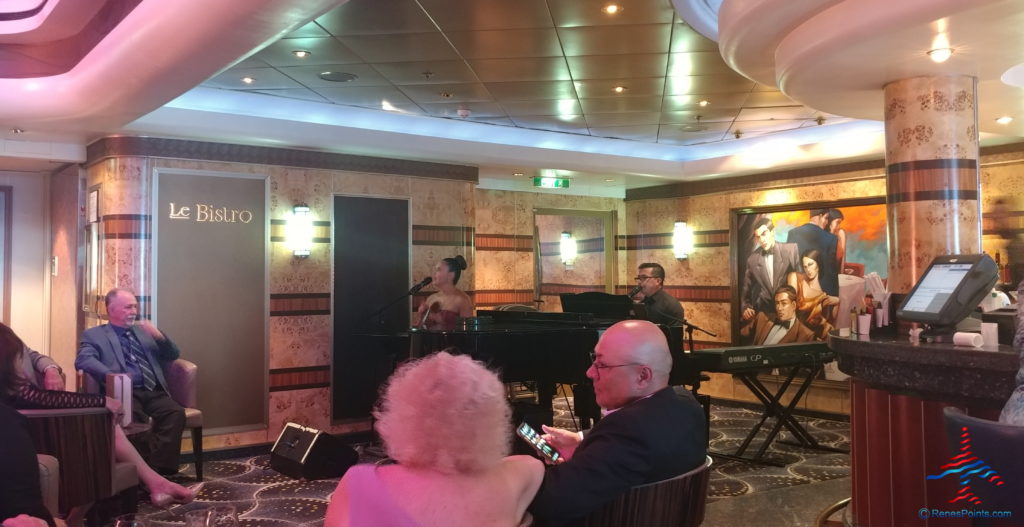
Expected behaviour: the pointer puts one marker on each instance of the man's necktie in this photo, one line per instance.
(135, 351)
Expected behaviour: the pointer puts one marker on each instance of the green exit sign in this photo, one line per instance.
(551, 182)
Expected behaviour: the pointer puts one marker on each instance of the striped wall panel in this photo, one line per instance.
(663, 240)
(504, 242)
(443, 235)
(127, 226)
(284, 379)
(321, 231)
(497, 297)
(690, 293)
(590, 245)
(297, 304)
(557, 289)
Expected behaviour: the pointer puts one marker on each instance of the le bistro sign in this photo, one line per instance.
(206, 213)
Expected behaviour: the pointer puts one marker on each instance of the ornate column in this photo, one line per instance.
(931, 157)
(931, 139)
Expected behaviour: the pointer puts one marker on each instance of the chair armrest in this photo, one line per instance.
(49, 482)
(181, 379)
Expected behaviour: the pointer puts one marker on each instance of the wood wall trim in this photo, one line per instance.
(133, 146)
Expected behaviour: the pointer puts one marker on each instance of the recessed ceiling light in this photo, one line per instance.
(619, 89)
(1006, 119)
(445, 94)
(17, 131)
(301, 53)
(609, 180)
(703, 102)
(612, 9)
(940, 55)
(518, 174)
(248, 80)
(337, 76)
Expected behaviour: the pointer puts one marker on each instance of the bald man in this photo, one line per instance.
(649, 432)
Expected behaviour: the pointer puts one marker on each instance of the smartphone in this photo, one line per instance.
(531, 436)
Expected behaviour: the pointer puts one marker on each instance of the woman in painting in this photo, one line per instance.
(442, 309)
(814, 307)
(834, 226)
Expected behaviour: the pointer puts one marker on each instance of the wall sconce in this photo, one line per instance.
(682, 240)
(298, 231)
(567, 249)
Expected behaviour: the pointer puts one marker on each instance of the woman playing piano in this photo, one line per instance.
(442, 309)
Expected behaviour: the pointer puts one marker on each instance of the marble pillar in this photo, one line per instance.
(933, 187)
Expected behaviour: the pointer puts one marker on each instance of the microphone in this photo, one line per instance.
(634, 291)
(416, 288)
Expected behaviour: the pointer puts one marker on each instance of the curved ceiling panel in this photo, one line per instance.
(141, 60)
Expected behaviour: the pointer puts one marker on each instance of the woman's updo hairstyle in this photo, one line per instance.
(455, 265)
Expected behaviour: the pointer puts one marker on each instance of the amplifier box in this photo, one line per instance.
(303, 452)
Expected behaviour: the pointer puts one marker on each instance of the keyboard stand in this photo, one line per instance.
(783, 414)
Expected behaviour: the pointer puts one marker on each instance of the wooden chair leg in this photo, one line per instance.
(197, 451)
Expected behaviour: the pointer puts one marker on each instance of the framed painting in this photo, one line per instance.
(799, 269)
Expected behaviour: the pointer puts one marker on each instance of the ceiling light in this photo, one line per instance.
(1004, 119)
(17, 131)
(609, 180)
(703, 102)
(612, 9)
(940, 55)
(301, 53)
(248, 80)
(619, 89)
(445, 94)
(518, 174)
(337, 76)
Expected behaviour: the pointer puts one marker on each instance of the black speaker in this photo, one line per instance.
(302, 452)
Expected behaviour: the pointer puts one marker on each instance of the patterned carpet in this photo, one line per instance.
(265, 498)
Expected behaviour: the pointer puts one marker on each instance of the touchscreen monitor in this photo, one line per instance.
(949, 290)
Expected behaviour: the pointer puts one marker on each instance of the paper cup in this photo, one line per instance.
(844, 332)
(961, 338)
(864, 324)
(990, 333)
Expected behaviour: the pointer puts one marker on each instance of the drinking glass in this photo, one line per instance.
(223, 516)
(197, 518)
(129, 520)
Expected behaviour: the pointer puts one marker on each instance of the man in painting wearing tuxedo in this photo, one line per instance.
(767, 269)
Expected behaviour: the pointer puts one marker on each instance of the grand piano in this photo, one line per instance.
(542, 348)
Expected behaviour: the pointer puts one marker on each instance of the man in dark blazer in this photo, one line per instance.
(767, 269)
(649, 432)
(812, 235)
(784, 327)
(138, 349)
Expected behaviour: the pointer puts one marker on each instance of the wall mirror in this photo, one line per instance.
(574, 252)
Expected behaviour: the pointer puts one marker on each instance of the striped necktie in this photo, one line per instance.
(135, 352)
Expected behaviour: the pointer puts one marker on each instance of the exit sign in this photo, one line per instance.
(551, 182)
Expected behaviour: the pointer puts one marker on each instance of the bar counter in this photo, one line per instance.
(898, 389)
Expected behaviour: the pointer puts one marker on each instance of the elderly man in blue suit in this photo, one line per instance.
(138, 349)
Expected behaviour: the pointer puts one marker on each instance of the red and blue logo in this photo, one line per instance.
(969, 470)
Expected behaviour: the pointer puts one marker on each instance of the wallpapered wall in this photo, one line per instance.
(494, 231)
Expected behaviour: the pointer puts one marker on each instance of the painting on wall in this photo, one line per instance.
(800, 269)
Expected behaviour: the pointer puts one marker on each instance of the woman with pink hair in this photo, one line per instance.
(446, 422)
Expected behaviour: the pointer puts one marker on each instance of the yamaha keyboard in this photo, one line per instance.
(744, 358)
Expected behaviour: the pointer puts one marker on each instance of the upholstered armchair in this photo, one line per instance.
(181, 377)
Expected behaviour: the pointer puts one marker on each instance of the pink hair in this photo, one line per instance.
(446, 413)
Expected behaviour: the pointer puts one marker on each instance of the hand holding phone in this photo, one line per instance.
(546, 451)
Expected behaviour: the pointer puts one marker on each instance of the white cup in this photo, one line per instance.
(864, 324)
(968, 339)
(990, 333)
(844, 332)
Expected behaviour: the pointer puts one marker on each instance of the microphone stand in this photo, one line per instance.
(689, 332)
(379, 314)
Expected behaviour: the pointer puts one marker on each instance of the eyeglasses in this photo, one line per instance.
(641, 278)
(598, 366)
